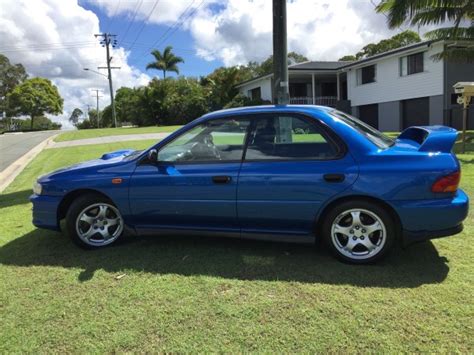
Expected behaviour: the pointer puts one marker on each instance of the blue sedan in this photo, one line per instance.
(289, 173)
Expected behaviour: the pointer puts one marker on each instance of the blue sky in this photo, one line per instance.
(141, 36)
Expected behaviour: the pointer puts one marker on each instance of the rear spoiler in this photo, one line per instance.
(431, 138)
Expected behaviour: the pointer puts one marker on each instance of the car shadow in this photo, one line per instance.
(15, 198)
(227, 258)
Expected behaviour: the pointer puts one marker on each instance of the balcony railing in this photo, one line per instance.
(318, 100)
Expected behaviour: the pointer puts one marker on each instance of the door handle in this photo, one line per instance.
(334, 177)
(221, 179)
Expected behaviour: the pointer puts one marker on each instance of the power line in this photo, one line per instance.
(111, 20)
(143, 24)
(176, 23)
(139, 4)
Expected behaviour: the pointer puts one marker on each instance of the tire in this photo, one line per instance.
(359, 232)
(93, 222)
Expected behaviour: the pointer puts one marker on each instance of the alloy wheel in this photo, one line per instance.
(99, 224)
(358, 234)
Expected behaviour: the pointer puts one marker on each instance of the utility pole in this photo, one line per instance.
(106, 40)
(281, 92)
(98, 112)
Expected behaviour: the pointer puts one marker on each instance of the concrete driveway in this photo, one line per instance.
(15, 145)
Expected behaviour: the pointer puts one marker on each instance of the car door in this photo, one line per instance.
(193, 184)
(292, 166)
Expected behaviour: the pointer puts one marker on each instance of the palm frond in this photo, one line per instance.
(453, 33)
(401, 11)
(456, 54)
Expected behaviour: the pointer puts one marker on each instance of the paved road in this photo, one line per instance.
(109, 139)
(15, 145)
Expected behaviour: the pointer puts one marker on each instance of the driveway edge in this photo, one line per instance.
(14, 169)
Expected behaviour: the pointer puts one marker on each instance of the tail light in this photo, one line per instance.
(448, 183)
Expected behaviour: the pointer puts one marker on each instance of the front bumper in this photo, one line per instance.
(45, 211)
(429, 219)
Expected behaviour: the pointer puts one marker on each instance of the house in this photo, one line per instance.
(390, 91)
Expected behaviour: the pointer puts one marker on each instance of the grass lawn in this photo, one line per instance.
(209, 294)
(103, 132)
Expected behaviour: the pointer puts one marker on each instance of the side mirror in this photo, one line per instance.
(153, 155)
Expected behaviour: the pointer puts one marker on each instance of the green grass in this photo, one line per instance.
(103, 132)
(210, 294)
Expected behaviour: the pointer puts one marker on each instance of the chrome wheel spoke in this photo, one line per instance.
(371, 228)
(113, 221)
(350, 245)
(366, 242)
(342, 230)
(87, 219)
(356, 218)
(89, 233)
(102, 211)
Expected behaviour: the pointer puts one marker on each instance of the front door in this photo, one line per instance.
(292, 166)
(194, 183)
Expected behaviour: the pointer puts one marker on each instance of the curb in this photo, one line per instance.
(14, 169)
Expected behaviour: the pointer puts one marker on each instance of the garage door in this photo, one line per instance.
(370, 114)
(416, 112)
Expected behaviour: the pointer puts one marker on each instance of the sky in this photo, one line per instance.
(55, 38)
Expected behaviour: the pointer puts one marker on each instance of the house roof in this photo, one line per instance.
(318, 65)
(391, 52)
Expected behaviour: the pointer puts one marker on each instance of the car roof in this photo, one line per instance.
(267, 109)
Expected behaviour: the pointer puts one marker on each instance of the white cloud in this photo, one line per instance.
(319, 29)
(237, 31)
(55, 39)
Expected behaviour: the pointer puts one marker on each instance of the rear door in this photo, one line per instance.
(292, 166)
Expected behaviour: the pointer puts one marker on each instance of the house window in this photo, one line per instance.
(411, 64)
(255, 94)
(366, 75)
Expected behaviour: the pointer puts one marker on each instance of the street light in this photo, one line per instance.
(88, 69)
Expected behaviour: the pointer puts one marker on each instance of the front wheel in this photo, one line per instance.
(359, 232)
(93, 221)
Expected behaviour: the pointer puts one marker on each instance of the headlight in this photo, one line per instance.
(37, 188)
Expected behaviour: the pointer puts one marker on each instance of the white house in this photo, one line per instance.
(390, 91)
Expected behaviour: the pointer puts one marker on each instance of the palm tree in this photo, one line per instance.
(165, 61)
(435, 12)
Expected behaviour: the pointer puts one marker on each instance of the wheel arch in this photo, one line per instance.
(71, 196)
(386, 206)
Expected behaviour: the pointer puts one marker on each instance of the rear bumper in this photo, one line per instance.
(429, 219)
(45, 211)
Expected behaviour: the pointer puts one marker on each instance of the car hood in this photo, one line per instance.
(105, 161)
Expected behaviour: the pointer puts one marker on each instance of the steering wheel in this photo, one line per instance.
(200, 150)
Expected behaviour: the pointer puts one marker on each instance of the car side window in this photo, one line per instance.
(289, 137)
(211, 141)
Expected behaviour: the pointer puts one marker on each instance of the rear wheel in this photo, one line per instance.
(359, 232)
(93, 221)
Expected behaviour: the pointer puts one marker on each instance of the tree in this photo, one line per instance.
(10, 77)
(266, 67)
(75, 115)
(435, 12)
(35, 97)
(165, 61)
(348, 58)
(401, 39)
(221, 85)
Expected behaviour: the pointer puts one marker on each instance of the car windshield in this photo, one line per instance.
(375, 136)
